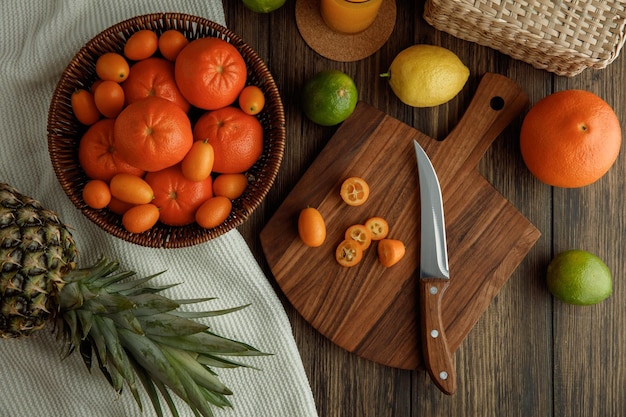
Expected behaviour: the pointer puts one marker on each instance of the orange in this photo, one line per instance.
(96, 194)
(111, 66)
(390, 251)
(84, 107)
(210, 73)
(153, 77)
(140, 218)
(171, 42)
(570, 138)
(109, 98)
(311, 227)
(230, 185)
(354, 191)
(251, 100)
(153, 134)
(177, 197)
(236, 137)
(213, 212)
(141, 45)
(131, 189)
(98, 155)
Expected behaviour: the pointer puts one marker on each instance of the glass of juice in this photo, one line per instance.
(349, 16)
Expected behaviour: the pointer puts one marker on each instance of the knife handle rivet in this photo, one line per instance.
(443, 375)
(434, 333)
(433, 290)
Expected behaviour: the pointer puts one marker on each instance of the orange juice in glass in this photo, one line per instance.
(349, 16)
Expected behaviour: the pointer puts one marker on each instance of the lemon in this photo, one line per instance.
(329, 97)
(263, 6)
(426, 75)
(579, 277)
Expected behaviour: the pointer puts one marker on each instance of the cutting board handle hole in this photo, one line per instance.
(497, 103)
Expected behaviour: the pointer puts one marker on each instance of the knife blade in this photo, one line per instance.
(434, 276)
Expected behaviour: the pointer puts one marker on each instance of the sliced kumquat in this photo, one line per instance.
(96, 194)
(390, 251)
(131, 189)
(378, 227)
(349, 253)
(140, 218)
(355, 191)
(311, 227)
(84, 107)
(360, 233)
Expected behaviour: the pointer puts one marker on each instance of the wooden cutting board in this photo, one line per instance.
(371, 310)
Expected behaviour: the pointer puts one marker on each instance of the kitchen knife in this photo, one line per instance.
(434, 276)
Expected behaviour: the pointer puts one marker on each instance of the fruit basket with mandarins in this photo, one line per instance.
(138, 121)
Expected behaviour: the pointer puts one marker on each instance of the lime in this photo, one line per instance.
(426, 75)
(329, 97)
(579, 277)
(263, 6)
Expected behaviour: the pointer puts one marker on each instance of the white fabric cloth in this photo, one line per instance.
(38, 38)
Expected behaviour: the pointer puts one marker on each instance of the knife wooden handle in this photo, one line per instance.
(437, 356)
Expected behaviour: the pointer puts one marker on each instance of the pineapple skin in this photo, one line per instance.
(36, 251)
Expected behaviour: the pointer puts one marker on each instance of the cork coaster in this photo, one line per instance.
(338, 46)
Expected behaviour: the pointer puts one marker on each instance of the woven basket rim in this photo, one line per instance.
(64, 131)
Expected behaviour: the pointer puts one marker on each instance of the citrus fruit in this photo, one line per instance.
(153, 77)
(198, 163)
(141, 45)
(140, 218)
(354, 191)
(153, 134)
(84, 107)
(171, 42)
(329, 97)
(109, 99)
(579, 277)
(177, 197)
(349, 253)
(236, 137)
(230, 185)
(570, 139)
(426, 75)
(210, 73)
(251, 100)
(131, 189)
(311, 227)
(378, 227)
(111, 66)
(390, 251)
(263, 6)
(98, 155)
(96, 194)
(213, 211)
(360, 233)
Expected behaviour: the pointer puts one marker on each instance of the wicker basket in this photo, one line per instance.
(563, 37)
(64, 131)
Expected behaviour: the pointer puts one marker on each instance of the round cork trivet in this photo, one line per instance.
(338, 46)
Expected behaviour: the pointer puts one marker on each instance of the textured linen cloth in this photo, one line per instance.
(38, 39)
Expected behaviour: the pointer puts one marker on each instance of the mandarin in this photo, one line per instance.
(177, 197)
(236, 137)
(153, 77)
(570, 139)
(98, 155)
(153, 134)
(210, 73)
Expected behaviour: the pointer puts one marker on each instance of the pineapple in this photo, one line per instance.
(134, 334)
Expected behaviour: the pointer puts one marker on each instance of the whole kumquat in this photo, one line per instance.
(251, 100)
(198, 163)
(112, 66)
(360, 233)
(96, 194)
(131, 189)
(213, 212)
(140, 218)
(354, 191)
(84, 107)
(311, 227)
(349, 253)
(378, 227)
(109, 98)
(171, 42)
(230, 185)
(118, 206)
(390, 251)
(141, 45)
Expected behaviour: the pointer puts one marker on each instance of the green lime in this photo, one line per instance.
(579, 277)
(263, 6)
(329, 97)
(426, 75)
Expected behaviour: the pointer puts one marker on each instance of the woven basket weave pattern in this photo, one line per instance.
(563, 37)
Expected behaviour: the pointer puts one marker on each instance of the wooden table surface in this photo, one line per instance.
(529, 354)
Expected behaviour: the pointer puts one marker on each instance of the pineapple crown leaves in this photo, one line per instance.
(135, 333)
